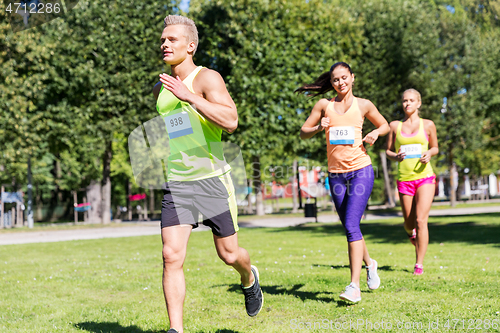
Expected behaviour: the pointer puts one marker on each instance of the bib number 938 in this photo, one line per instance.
(176, 121)
(178, 125)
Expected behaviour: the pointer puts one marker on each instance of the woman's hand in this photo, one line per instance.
(400, 156)
(371, 137)
(325, 123)
(426, 157)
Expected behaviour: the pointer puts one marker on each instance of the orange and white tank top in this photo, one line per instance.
(344, 143)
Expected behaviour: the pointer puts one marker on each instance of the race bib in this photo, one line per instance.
(412, 151)
(342, 135)
(178, 125)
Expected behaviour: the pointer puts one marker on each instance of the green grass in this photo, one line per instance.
(114, 285)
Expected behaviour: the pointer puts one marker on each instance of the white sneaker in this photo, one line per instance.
(351, 293)
(372, 278)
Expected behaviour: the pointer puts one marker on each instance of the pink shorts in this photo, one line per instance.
(410, 187)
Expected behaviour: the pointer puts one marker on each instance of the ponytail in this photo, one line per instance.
(323, 83)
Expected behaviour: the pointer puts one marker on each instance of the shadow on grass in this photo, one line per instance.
(380, 268)
(473, 229)
(221, 331)
(108, 327)
(289, 290)
(115, 327)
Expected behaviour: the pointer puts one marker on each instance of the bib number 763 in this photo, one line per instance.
(342, 135)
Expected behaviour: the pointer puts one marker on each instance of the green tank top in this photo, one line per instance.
(414, 145)
(194, 142)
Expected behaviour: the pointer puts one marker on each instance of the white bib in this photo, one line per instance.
(178, 125)
(412, 151)
(342, 135)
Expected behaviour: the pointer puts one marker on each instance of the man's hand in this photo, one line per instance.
(176, 86)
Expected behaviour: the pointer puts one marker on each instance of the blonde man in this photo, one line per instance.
(196, 107)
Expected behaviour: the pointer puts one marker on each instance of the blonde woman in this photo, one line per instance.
(412, 142)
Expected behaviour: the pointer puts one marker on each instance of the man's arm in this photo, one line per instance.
(216, 104)
(156, 90)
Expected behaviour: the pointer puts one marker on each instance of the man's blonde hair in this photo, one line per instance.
(190, 28)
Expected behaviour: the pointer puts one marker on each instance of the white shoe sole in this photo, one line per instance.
(378, 284)
(352, 300)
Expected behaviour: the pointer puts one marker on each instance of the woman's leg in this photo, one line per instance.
(409, 208)
(338, 190)
(423, 203)
(359, 191)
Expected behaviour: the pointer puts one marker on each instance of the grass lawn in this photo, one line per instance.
(114, 285)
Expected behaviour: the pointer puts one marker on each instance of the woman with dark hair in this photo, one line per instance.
(349, 166)
(412, 142)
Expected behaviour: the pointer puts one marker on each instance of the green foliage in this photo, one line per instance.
(68, 85)
(265, 50)
(72, 86)
(23, 72)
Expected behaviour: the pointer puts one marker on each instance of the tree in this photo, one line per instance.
(266, 50)
(108, 59)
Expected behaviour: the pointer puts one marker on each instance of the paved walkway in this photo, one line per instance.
(152, 228)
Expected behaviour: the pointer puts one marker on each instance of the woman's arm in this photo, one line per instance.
(370, 111)
(433, 142)
(390, 152)
(311, 126)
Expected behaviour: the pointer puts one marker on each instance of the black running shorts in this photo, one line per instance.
(213, 197)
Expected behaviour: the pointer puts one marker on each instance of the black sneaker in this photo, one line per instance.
(253, 295)
(172, 330)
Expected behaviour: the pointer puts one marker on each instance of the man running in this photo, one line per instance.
(196, 107)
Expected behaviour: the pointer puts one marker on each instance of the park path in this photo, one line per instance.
(153, 228)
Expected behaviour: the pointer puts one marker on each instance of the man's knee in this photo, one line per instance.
(173, 256)
(229, 258)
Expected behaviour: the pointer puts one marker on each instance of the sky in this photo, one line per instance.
(184, 5)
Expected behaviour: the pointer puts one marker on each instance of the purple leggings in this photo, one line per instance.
(350, 193)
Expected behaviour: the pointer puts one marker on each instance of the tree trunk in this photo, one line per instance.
(2, 225)
(388, 189)
(295, 207)
(19, 219)
(95, 200)
(106, 184)
(38, 204)
(453, 194)
(257, 186)
(249, 207)
(151, 201)
(129, 203)
(85, 213)
(75, 202)
(58, 176)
